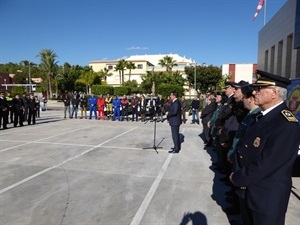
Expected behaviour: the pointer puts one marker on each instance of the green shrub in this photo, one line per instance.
(102, 89)
(123, 90)
(166, 89)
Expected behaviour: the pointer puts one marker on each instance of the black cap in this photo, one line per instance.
(268, 79)
(240, 84)
(228, 84)
(247, 90)
(220, 93)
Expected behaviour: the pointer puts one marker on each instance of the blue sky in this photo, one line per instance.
(80, 31)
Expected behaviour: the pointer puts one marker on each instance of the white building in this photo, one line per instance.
(143, 64)
(238, 72)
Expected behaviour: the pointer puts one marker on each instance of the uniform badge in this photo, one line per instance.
(289, 115)
(256, 142)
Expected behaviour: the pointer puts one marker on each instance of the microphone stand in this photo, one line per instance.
(155, 147)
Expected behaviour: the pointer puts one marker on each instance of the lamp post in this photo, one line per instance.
(29, 81)
(5, 84)
(195, 75)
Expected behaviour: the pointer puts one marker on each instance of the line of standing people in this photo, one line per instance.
(18, 109)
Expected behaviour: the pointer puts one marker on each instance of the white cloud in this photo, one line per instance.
(137, 48)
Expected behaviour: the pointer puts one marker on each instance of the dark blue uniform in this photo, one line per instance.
(266, 157)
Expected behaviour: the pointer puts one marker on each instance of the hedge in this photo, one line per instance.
(123, 90)
(102, 89)
(166, 89)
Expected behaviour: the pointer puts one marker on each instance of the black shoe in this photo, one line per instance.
(173, 152)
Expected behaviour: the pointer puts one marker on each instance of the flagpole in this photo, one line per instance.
(265, 12)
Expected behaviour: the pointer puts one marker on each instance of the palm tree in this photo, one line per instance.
(87, 78)
(48, 63)
(167, 62)
(131, 66)
(104, 73)
(121, 66)
(150, 79)
(57, 77)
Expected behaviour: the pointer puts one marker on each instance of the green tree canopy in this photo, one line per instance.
(167, 62)
(48, 63)
(207, 77)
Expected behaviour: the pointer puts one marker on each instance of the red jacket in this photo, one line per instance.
(101, 103)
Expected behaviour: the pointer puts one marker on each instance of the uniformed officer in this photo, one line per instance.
(3, 110)
(248, 100)
(267, 153)
(31, 109)
(10, 112)
(18, 110)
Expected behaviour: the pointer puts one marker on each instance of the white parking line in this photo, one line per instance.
(143, 207)
(60, 164)
(29, 142)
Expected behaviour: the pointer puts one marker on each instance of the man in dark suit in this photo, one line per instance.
(206, 115)
(267, 152)
(174, 117)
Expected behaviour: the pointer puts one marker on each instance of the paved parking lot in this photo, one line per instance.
(86, 172)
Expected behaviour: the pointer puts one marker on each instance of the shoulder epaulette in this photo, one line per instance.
(289, 115)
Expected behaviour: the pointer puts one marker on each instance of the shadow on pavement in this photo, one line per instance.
(197, 218)
(220, 190)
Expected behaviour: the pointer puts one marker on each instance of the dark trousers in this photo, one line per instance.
(25, 115)
(206, 131)
(18, 118)
(11, 115)
(31, 116)
(135, 114)
(3, 118)
(125, 114)
(260, 219)
(176, 137)
(183, 115)
(37, 112)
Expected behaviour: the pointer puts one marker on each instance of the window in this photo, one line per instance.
(110, 67)
(140, 66)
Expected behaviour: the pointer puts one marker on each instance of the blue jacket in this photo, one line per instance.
(116, 103)
(92, 101)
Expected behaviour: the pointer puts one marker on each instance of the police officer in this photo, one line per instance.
(3, 110)
(267, 153)
(31, 109)
(18, 110)
(38, 106)
(10, 112)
